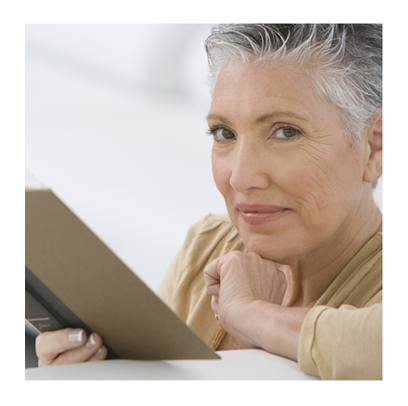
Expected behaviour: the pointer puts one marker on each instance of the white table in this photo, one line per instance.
(234, 365)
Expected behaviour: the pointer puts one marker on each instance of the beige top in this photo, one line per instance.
(341, 337)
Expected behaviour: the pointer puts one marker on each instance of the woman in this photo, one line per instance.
(295, 267)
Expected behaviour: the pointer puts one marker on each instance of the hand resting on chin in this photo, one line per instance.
(247, 294)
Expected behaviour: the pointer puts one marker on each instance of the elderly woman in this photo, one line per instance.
(295, 268)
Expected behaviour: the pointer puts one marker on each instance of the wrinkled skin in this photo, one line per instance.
(277, 143)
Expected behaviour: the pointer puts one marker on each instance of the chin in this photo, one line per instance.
(274, 245)
(269, 248)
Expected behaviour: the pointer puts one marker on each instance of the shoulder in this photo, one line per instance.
(359, 284)
(183, 285)
(211, 223)
(209, 238)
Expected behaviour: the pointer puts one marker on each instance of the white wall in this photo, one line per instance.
(115, 125)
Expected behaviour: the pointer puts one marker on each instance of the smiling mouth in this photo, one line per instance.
(255, 214)
(259, 208)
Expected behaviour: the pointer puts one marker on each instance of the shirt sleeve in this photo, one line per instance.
(343, 343)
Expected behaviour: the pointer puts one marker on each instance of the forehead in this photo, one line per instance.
(258, 87)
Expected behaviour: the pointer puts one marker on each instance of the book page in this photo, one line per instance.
(31, 182)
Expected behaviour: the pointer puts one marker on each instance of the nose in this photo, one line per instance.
(248, 171)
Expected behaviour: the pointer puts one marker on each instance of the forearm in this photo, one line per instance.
(271, 327)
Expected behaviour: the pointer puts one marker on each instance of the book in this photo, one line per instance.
(73, 279)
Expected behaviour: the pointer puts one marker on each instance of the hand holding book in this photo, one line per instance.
(69, 346)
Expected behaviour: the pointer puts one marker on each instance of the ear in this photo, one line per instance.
(373, 168)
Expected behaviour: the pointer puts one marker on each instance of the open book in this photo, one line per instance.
(74, 280)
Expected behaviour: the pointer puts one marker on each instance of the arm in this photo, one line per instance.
(343, 343)
(270, 326)
(247, 293)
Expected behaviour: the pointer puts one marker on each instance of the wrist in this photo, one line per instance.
(244, 322)
(273, 327)
(281, 329)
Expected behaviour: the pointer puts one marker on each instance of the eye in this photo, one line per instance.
(286, 132)
(221, 134)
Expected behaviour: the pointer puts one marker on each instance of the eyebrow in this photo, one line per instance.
(260, 119)
(266, 117)
(215, 117)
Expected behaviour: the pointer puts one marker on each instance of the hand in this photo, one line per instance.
(68, 346)
(240, 284)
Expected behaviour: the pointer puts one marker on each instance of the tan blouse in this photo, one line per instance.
(341, 337)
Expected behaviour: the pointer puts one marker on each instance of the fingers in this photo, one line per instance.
(212, 284)
(239, 278)
(67, 346)
(212, 278)
(214, 304)
(50, 344)
(99, 355)
(82, 354)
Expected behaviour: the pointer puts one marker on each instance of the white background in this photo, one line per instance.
(115, 126)
(15, 15)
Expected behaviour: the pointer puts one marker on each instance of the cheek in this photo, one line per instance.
(305, 179)
(221, 174)
(315, 180)
(323, 183)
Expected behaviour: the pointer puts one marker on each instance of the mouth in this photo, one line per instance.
(256, 214)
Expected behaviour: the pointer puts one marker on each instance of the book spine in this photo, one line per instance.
(46, 312)
(38, 316)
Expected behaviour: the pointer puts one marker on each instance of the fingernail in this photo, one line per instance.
(99, 351)
(91, 341)
(76, 336)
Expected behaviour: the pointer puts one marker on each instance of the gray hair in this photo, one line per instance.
(346, 60)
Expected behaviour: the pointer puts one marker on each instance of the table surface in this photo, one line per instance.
(234, 365)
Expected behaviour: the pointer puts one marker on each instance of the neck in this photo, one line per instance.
(308, 278)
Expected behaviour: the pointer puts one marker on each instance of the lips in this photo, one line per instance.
(256, 214)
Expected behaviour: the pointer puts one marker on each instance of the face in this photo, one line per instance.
(292, 183)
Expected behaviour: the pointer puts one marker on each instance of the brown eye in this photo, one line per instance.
(289, 132)
(286, 133)
(222, 134)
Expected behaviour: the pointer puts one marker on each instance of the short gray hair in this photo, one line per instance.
(346, 68)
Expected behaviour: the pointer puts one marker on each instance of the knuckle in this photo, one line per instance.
(214, 303)
(38, 340)
(252, 257)
(62, 359)
(281, 277)
(237, 254)
(234, 257)
(39, 343)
